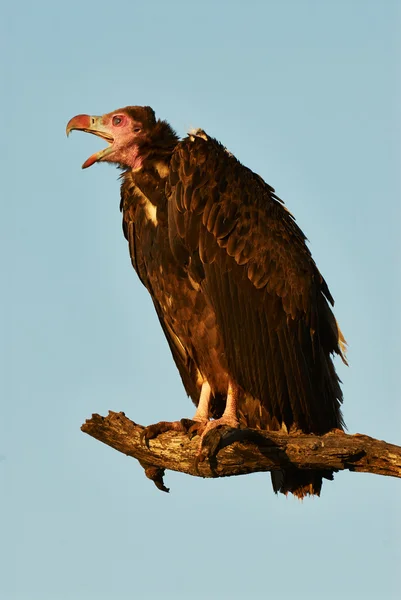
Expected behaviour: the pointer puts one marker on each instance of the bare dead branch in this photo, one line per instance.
(242, 451)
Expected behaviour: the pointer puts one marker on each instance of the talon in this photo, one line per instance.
(210, 434)
(196, 428)
(143, 438)
(187, 424)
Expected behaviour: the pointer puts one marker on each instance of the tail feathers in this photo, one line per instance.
(300, 482)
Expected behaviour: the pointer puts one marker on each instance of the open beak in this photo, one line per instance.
(93, 125)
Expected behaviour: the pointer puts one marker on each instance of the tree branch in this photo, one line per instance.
(241, 451)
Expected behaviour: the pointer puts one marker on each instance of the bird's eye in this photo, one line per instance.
(117, 121)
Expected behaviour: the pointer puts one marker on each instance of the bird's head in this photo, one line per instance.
(133, 134)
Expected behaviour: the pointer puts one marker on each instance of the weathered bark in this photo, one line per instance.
(241, 451)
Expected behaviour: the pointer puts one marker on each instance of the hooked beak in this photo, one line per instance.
(93, 125)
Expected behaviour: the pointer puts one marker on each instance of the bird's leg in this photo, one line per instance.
(202, 411)
(229, 416)
(207, 448)
(201, 416)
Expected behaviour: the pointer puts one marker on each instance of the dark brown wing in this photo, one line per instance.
(237, 240)
(149, 249)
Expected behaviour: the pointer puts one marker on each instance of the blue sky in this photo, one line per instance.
(305, 93)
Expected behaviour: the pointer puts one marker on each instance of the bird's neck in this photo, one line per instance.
(159, 147)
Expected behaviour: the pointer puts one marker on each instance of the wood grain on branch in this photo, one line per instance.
(242, 451)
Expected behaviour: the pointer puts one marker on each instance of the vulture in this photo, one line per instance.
(243, 306)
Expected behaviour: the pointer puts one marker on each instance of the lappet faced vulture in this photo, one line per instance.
(243, 306)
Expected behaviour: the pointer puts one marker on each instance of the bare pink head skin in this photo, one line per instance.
(133, 135)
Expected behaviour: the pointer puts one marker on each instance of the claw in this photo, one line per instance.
(197, 428)
(187, 425)
(209, 444)
(143, 437)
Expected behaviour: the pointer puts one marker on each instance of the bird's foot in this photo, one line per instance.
(153, 431)
(211, 435)
(197, 426)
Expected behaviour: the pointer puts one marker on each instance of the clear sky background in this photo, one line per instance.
(305, 93)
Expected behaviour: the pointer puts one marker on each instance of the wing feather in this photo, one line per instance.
(258, 274)
(138, 243)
